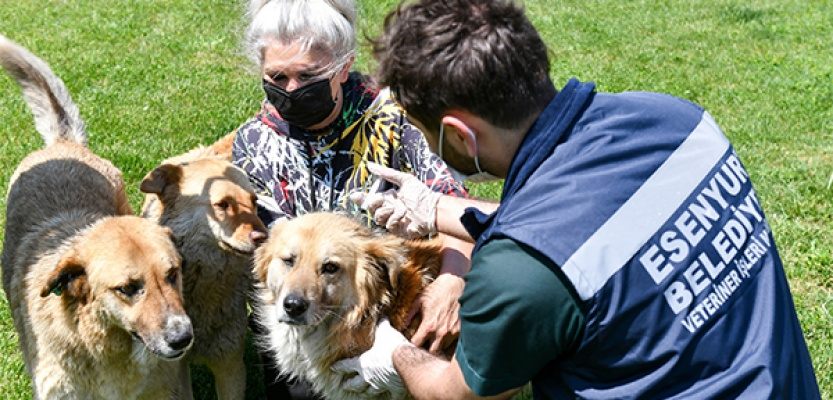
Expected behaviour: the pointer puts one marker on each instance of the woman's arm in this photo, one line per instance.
(247, 154)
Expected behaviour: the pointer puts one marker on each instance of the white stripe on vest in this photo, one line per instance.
(639, 218)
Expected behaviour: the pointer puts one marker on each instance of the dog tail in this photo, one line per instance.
(56, 115)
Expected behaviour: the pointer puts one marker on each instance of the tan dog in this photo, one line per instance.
(210, 206)
(96, 295)
(325, 281)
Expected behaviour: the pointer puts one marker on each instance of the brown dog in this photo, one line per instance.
(325, 281)
(210, 207)
(96, 295)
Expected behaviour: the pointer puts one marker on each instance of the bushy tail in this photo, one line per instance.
(56, 116)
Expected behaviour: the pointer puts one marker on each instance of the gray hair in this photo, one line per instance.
(327, 25)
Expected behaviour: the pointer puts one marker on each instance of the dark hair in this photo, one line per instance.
(482, 56)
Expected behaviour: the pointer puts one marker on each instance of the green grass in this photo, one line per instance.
(155, 78)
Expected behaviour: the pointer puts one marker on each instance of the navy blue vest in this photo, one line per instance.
(642, 202)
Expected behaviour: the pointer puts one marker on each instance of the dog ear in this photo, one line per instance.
(387, 254)
(262, 259)
(377, 276)
(157, 180)
(168, 232)
(264, 253)
(68, 278)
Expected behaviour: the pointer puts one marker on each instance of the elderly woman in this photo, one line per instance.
(309, 146)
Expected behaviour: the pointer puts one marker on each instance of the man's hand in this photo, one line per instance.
(440, 311)
(374, 369)
(410, 212)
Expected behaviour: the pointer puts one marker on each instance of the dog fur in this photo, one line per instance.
(95, 294)
(210, 207)
(349, 276)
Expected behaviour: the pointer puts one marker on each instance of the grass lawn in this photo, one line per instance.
(155, 78)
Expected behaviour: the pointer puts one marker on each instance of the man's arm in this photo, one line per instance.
(430, 377)
(415, 210)
(438, 304)
(449, 211)
(517, 316)
(456, 255)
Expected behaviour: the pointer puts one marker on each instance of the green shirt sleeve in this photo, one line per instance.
(517, 315)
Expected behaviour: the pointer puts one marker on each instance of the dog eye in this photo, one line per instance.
(289, 261)
(330, 268)
(222, 205)
(128, 290)
(172, 276)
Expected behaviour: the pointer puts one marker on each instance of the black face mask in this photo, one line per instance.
(302, 107)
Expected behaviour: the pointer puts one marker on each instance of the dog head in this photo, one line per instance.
(210, 196)
(126, 271)
(322, 266)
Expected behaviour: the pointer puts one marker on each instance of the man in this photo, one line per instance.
(629, 257)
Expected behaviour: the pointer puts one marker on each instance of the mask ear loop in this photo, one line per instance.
(440, 143)
(476, 151)
(439, 154)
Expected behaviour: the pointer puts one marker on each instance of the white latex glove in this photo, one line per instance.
(381, 205)
(374, 368)
(410, 212)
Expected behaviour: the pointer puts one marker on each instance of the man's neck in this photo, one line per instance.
(510, 139)
(506, 143)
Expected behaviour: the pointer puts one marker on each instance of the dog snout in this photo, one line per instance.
(295, 305)
(257, 236)
(179, 333)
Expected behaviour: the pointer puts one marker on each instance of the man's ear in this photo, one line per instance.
(459, 129)
(69, 278)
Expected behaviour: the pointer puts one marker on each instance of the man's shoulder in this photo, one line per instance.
(643, 111)
(633, 125)
(642, 99)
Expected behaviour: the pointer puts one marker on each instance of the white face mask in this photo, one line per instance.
(479, 177)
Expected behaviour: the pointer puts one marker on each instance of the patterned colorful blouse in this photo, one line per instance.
(297, 172)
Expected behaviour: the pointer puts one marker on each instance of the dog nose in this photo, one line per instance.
(179, 333)
(295, 305)
(257, 236)
(179, 340)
